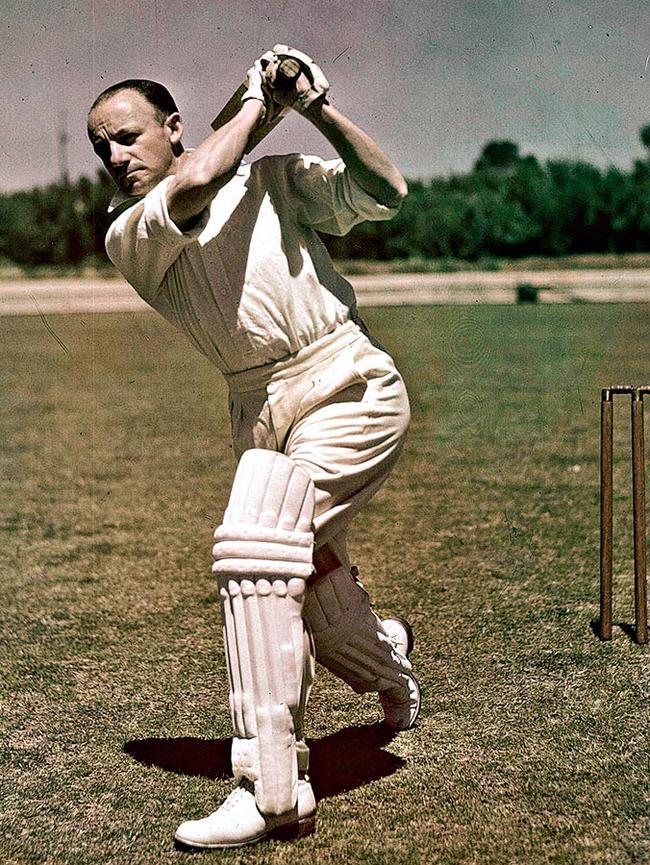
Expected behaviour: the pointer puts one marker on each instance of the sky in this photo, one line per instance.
(431, 81)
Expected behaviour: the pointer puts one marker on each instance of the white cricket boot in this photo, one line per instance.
(238, 821)
(401, 705)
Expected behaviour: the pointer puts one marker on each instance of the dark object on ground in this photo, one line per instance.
(526, 293)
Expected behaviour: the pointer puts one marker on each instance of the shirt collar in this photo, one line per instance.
(120, 198)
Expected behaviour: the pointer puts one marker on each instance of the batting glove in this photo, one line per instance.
(318, 84)
(256, 85)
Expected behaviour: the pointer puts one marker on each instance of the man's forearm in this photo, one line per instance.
(364, 159)
(204, 171)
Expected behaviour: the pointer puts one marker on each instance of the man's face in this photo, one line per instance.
(135, 147)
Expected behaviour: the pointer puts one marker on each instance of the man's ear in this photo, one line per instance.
(174, 125)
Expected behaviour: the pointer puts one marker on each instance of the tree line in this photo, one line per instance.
(509, 205)
(512, 206)
(60, 224)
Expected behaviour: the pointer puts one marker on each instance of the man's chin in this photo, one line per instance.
(137, 184)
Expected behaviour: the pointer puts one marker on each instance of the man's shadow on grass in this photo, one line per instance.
(340, 762)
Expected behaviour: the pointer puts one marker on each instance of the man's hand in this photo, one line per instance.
(310, 85)
(257, 83)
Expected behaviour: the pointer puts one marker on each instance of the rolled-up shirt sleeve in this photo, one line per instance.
(144, 241)
(326, 197)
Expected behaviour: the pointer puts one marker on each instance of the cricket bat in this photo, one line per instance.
(288, 71)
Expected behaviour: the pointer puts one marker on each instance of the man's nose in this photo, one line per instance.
(118, 153)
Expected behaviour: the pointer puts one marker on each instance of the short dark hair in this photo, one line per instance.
(156, 94)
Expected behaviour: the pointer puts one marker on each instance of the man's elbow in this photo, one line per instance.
(191, 192)
(193, 181)
(396, 193)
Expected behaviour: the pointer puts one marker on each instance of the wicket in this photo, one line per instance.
(638, 509)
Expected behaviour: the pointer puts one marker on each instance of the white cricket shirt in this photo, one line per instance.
(252, 282)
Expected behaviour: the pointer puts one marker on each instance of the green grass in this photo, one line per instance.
(533, 741)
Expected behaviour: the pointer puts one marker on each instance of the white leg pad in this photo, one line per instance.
(263, 556)
(350, 640)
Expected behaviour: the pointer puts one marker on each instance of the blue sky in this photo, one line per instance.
(431, 81)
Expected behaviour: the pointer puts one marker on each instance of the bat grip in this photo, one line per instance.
(287, 73)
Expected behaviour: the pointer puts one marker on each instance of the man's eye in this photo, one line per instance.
(101, 148)
(128, 139)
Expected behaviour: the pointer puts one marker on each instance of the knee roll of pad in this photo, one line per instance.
(267, 526)
(263, 556)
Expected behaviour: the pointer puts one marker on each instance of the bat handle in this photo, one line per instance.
(287, 73)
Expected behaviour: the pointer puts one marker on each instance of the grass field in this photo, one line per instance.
(533, 741)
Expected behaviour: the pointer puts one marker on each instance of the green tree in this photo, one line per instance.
(644, 135)
(501, 155)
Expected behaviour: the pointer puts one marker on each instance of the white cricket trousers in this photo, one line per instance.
(339, 408)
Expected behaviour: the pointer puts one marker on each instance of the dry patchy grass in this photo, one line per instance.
(532, 745)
